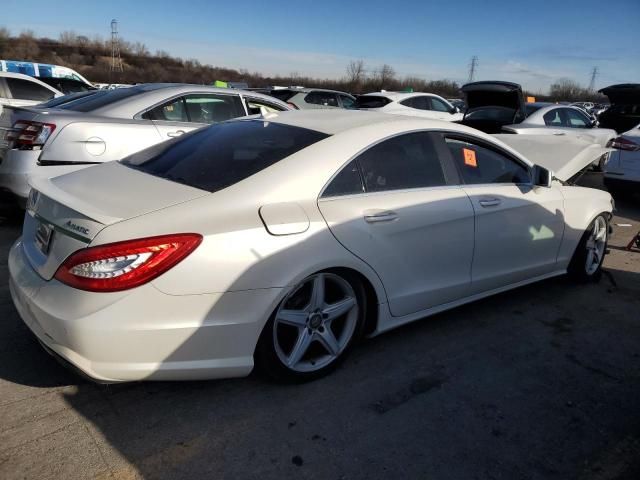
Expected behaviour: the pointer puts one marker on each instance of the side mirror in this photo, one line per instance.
(542, 177)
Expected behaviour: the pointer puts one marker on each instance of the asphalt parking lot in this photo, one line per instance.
(539, 383)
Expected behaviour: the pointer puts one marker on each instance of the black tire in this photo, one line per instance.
(578, 269)
(267, 359)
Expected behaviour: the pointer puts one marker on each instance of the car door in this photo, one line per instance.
(194, 110)
(518, 226)
(396, 208)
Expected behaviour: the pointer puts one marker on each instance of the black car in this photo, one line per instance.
(624, 112)
(67, 85)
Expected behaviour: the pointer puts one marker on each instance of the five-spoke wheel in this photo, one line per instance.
(313, 327)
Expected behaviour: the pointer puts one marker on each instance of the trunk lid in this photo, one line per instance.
(564, 156)
(493, 94)
(65, 213)
(624, 93)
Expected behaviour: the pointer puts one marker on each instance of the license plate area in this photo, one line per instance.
(43, 237)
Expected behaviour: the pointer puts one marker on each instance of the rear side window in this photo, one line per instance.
(405, 161)
(373, 101)
(347, 182)
(420, 103)
(254, 106)
(198, 108)
(347, 102)
(223, 154)
(25, 90)
(439, 105)
(478, 164)
(553, 118)
(326, 99)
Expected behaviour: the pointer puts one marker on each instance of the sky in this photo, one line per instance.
(533, 43)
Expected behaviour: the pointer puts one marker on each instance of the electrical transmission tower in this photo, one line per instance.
(592, 83)
(473, 66)
(116, 60)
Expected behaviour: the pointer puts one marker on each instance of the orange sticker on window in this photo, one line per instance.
(470, 157)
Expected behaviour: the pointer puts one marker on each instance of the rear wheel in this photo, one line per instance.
(586, 264)
(313, 328)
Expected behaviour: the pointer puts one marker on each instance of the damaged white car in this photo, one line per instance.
(282, 240)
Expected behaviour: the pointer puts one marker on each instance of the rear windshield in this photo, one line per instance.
(100, 99)
(221, 155)
(371, 102)
(282, 95)
(56, 102)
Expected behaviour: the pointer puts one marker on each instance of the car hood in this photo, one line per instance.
(623, 93)
(78, 205)
(493, 94)
(565, 157)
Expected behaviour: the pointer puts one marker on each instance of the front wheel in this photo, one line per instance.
(313, 328)
(586, 264)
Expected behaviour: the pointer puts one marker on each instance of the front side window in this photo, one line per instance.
(439, 106)
(420, 103)
(25, 90)
(478, 164)
(222, 154)
(576, 119)
(347, 102)
(406, 161)
(326, 99)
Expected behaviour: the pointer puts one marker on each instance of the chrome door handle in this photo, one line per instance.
(375, 216)
(177, 133)
(490, 202)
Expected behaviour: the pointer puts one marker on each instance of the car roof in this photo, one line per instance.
(397, 96)
(309, 89)
(337, 121)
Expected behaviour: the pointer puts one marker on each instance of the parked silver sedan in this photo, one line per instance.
(111, 124)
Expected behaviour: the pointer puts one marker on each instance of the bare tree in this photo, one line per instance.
(355, 73)
(384, 77)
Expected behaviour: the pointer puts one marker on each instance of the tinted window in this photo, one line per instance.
(55, 102)
(576, 119)
(26, 90)
(218, 156)
(347, 102)
(347, 182)
(371, 101)
(553, 118)
(420, 103)
(406, 161)
(439, 105)
(326, 99)
(478, 164)
(282, 94)
(100, 99)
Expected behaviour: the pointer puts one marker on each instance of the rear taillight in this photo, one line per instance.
(622, 143)
(293, 105)
(30, 134)
(124, 265)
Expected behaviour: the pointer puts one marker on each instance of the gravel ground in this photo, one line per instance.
(539, 383)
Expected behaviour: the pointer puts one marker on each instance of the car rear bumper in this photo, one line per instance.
(141, 334)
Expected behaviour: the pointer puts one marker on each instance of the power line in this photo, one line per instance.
(473, 66)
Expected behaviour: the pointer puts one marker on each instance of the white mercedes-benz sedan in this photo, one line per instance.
(281, 240)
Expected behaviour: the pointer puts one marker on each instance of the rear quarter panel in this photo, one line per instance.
(97, 142)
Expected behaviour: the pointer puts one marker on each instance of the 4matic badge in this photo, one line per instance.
(77, 228)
